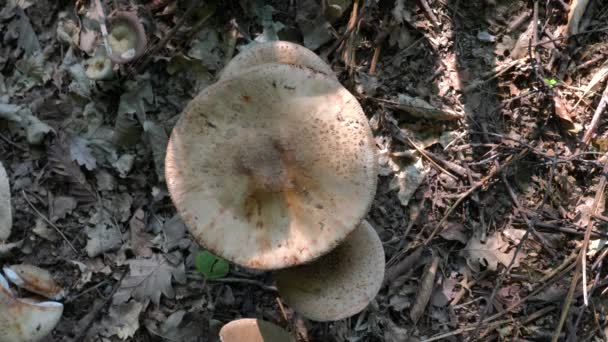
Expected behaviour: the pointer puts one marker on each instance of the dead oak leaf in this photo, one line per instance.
(122, 320)
(148, 279)
(489, 254)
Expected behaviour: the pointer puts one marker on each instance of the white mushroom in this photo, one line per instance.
(99, 68)
(253, 330)
(280, 52)
(34, 279)
(339, 284)
(273, 168)
(6, 216)
(25, 320)
(127, 37)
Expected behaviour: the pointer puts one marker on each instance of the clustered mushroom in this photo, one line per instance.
(126, 41)
(274, 168)
(32, 318)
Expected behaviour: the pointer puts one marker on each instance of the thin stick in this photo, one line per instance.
(582, 258)
(596, 117)
(193, 6)
(472, 189)
(49, 222)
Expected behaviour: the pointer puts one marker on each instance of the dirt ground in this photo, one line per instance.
(492, 147)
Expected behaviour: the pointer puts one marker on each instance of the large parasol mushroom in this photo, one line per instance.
(339, 284)
(272, 168)
(280, 52)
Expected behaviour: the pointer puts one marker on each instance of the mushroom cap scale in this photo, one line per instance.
(273, 168)
(253, 330)
(281, 52)
(339, 284)
(25, 320)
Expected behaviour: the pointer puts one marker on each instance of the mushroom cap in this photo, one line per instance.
(280, 52)
(6, 216)
(127, 37)
(24, 320)
(273, 168)
(34, 279)
(253, 330)
(99, 68)
(341, 283)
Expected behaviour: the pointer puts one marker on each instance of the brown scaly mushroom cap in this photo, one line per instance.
(25, 320)
(273, 168)
(339, 284)
(280, 52)
(34, 279)
(127, 37)
(253, 330)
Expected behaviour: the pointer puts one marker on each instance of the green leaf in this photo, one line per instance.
(210, 266)
(551, 82)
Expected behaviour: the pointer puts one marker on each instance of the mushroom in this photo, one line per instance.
(127, 38)
(34, 279)
(339, 284)
(253, 330)
(273, 168)
(6, 216)
(281, 52)
(99, 68)
(25, 319)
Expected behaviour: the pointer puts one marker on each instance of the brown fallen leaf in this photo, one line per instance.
(489, 254)
(425, 289)
(140, 240)
(565, 112)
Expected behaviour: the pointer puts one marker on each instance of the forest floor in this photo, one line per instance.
(490, 202)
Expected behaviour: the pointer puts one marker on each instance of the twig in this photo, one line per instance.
(48, 221)
(521, 241)
(573, 35)
(472, 189)
(596, 117)
(144, 60)
(429, 13)
(425, 155)
(8, 141)
(97, 309)
(581, 263)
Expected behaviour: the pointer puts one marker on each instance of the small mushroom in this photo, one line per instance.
(99, 68)
(34, 279)
(280, 52)
(127, 37)
(339, 284)
(6, 216)
(253, 330)
(25, 319)
(273, 168)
